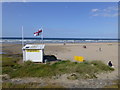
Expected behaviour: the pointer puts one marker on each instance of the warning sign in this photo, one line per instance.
(79, 58)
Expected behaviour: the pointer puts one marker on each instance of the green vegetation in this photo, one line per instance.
(75, 70)
(9, 63)
(29, 69)
(11, 85)
(10, 60)
(28, 85)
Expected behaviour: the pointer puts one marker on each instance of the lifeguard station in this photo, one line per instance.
(33, 52)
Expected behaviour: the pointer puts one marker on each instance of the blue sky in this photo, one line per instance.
(61, 19)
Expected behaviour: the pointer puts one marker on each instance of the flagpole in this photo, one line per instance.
(42, 35)
(22, 37)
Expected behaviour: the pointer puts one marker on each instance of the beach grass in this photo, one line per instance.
(12, 85)
(29, 69)
(9, 63)
(10, 60)
(29, 85)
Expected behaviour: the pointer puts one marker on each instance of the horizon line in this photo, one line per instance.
(61, 38)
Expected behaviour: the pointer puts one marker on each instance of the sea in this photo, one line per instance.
(26, 40)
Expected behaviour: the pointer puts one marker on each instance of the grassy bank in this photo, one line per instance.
(28, 69)
(9, 62)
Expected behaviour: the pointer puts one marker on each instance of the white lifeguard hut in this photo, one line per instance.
(33, 52)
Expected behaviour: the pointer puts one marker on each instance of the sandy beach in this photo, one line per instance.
(93, 51)
(81, 44)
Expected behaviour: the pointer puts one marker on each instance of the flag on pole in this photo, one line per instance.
(38, 32)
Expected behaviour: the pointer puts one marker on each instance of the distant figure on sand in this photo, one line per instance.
(64, 43)
(110, 64)
(84, 46)
(100, 49)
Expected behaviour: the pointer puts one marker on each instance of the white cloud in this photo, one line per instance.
(106, 12)
(110, 9)
(95, 10)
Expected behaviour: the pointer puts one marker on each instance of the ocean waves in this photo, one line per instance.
(19, 41)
